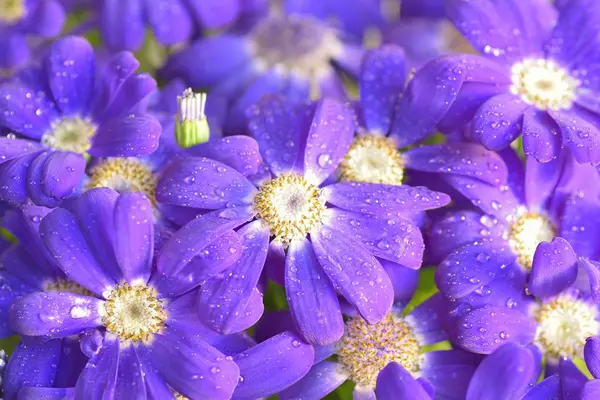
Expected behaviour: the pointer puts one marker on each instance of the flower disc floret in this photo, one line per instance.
(11, 11)
(372, 159)
(70, 134)
(525, 233)
(366, 349)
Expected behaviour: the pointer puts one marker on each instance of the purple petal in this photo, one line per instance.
(70, 69)
(393, 239)
(130, 377)
(499, 120)
(62, 173)
(273, 365)
(133, 135)
(13, 179)
(322, 379)
(275, 124)
(581, 135)
(33, 363)
(395, 382)
(592, 268)
(468, 159)
(372, 198)
(54, 314)
(470, 267)
(194, 237)
(118, 68)
(35, 179)
(216, 13)
(13, 148)
(591, 353)
(354, 272)
(591, 390)
(382, 79)
(134, 236)
(311, 296)
(127, 98)
(156, 387)
(250, 315)
(427, 318)
(170, 20)
(428, 97)
(330, 135)
(239, 152)
(549, 388)
(404, 280)
(541, 135)
(203, 183)
(507, 373)
(478, 330)
(541, 180)
(181, 362)
(578, 225)
(26, 110)
(47, 19)
(554, 268)
(121, 24)
(222, 300)
(571, 378)
(64, 240)
(99, 377)
(46, 393)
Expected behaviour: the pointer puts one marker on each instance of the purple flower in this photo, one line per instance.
(535, 78)
(392, 118)
(21, 21)
(123, 24)
(61, 113)
(146, 338)
(293, 55)
(363, 352)
(331, 237)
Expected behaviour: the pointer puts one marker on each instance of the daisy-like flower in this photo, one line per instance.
(66, 111)
(152, 344)
(364, 351)
(392, 118)
(23, 21)
(535, 78)
(123, 24)
(290, 54)
(331, 238)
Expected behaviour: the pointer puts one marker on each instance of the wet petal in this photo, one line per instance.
(132, 135)
(554, 268)
(239, 152)
(580, 134)
(395, 382)
(322, 379)
(100, 373)
(591, 353)
(541, 135)
(499, 121)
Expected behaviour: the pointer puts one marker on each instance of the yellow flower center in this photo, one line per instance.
(70, 134)
(133, 312)
(526, 232)
(290, 206)
(564, 325)
(124, 175)
(543, 84)
(372, 159)
(366, 349)
(11, 11)
(61, 285)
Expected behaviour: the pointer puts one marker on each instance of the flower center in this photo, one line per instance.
(372, 159)
(70, 134)
(62, 285)
(564, 325)
(366, 349)
(290, 206)
(124, 175)
(11, 11)
(526, 232)
(296, 45)
(544, 84)
(133, 312)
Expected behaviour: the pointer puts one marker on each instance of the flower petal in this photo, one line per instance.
(592, 268)
(393, 239)
(121, 24)
(46, 393)
(130, 94)
(499, 121)
(581, 135)
(311, 296)
(216, 13)
(554, 268)
(116, 71)
(70, 69)
(541, 138)
(426, 320)
(203, 183)
(170, 20)
(13, 179)
(223, 299)
(239, 152)
(25, 110)
(98, 379)
(549, 388)
(35, 180)
(54, 314)
(591, 353)
(404, 280)
(373, 198)
(62, 173)
(64, 240)
(322, 379)
(134, 236)
(382, 79)
(354, 272)
(13, 148)
(261, 365)
(133, 135)
(394, 382)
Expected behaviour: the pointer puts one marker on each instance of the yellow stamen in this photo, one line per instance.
(373, 159)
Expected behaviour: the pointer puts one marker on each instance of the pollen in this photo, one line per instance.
(11, 11)
(366, 349)
(564, 325)
(526, 232)
(295, 45)
(290, 206)
(544, 84)
(373, 159)
(70, 134)
(62, 285)
(134, 312)
(124, 175)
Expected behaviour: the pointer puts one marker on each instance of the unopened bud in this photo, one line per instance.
(191, 126)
